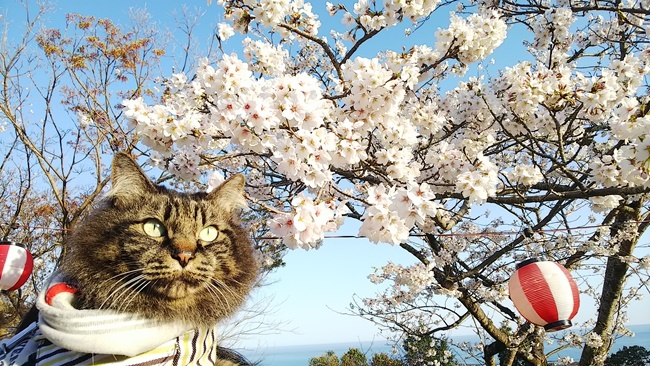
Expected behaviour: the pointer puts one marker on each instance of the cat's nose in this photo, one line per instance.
(183, 258)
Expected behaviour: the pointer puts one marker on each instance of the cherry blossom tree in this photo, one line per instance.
(469, 170)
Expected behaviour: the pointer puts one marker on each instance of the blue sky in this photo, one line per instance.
(316, 284)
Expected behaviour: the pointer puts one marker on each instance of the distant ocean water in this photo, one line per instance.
(300, 355)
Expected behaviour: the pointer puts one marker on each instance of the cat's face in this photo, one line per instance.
(163, 254)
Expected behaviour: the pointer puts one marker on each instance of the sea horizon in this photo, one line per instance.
(299, 355)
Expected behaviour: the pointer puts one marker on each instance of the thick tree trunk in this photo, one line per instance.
(613, 285)
(537, 356)
(491, 350)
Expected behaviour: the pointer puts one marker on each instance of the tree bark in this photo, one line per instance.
(491, 350)
(613, 286)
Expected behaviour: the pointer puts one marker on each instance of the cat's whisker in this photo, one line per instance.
(119, 276)
(120, 290)
(237, 282)
(137, 289)
(117, 294)
(230, 288)
(221, 284)
(127, 272)
(117, 281)
(218, 295)
(213, 293)
(131, 293)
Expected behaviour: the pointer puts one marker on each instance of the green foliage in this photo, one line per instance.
(425, 350)
(518, 361)
(354, 357)
(328, 359)
(382, 359)
(629, 356)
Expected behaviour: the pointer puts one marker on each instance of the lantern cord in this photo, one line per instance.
(526, 232)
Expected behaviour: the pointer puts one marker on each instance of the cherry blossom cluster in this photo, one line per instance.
(306, 227)
(552, 28)
(306, 137)
(526, 175)
(472, 39)
(537, 93)
(392, 213)
(373, 18)
(406, 282)
(271, 13)
(479, 184)
(406, 289)
(264, 58)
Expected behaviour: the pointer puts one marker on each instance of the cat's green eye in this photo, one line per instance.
(154, 228)
(209, 233)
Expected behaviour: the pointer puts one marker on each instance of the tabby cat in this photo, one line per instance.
(163, 254)
(180, 260)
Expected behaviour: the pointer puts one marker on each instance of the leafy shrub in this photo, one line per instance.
(629, 356)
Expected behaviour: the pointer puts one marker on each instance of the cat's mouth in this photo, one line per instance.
(178, 288)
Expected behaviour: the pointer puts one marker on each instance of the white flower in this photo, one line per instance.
(644, 263)
(185, 164)
(604, 172)
(474, 38)
(134, 108)
(214, 180)
(330, 8)
(265, 58)
(306, 226)
(379, 196)
(178, 81)
(477, 186)
(282, 225)
(384, 226)
(605, 203)
(361, 7)
(526, 174)
(82, 118)
(593, 340)
(225, 31)
(348, 19)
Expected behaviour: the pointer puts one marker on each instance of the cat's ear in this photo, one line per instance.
(230, 194)
(128, 180)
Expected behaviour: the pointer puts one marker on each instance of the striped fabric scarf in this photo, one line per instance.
(65, 335)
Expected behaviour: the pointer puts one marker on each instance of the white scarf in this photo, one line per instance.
(98, 331)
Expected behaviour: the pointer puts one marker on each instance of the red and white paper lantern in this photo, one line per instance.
(16, 264)
(544, 293)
